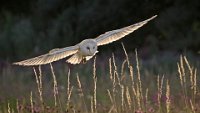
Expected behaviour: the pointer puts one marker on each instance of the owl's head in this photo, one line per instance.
(88, 47)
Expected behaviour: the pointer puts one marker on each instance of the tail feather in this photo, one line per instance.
(75, 59)
(78, 58)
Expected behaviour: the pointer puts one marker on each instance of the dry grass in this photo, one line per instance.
(124, 90)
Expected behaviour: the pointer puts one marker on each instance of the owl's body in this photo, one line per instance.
(87, 49)
(84, 50)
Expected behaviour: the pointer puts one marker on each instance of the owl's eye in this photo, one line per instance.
(87, 48)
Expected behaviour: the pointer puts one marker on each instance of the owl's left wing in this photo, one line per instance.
(53, 55)
(117, 34)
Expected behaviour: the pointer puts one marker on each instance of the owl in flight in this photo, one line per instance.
(84, 50)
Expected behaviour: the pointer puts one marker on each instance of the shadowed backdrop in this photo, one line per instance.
(32, 27)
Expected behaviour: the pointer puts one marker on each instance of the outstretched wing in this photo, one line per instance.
(117, 34)
(53, 55)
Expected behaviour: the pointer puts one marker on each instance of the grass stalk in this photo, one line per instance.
(69, 91)
(140, 93)
(168, 99)
(39, 85)
(128, 97)
(160, 89)
(31, 99)
(122, 98)
(55, 86)
(17, 106)
(81, 91)
(95, 86)
(92, 105)
(146, 99)
(9, 109)
(184, 81)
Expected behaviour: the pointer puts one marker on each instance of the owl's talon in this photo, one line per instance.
(84, 61)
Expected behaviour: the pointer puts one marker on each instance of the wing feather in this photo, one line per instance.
(53, 55)
(75, 59)
(115, 35)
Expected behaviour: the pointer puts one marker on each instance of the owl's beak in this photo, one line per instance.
(90, 52)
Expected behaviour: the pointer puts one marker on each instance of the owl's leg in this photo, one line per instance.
(84, 60)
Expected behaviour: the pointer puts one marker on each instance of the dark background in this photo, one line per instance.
(32, 27)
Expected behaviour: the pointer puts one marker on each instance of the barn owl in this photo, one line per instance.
(84, 50)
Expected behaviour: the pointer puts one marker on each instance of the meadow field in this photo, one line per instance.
(111, 83)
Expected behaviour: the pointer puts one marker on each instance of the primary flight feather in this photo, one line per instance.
(85, 50)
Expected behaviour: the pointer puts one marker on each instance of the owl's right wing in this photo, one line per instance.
(53, 55)
(117, 34)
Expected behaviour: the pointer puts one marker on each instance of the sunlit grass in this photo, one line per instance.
(111, 85)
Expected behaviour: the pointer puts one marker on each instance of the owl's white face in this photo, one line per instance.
(88, 47)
